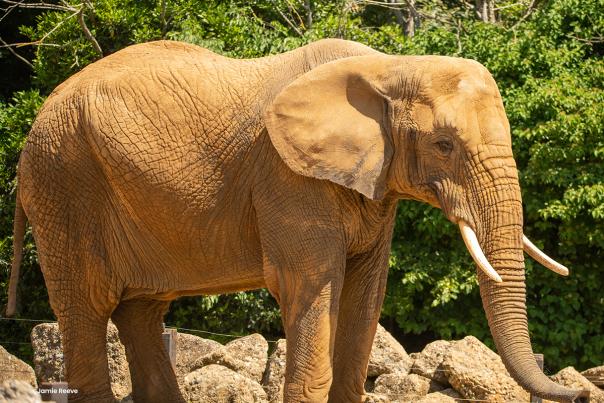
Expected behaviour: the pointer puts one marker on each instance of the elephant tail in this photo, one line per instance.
(18, 236)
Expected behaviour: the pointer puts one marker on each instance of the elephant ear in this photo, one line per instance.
(332, 123)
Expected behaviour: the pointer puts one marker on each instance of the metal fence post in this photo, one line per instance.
(54, 391)
(170, 338)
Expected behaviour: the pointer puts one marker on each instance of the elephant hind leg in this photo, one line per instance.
(85, 352)
(82, 297)
(83, 315)
(139, 322)
(82, 294)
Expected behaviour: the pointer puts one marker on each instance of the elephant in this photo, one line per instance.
(166, 170)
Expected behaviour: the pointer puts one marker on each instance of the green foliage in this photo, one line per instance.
(236, 314)
(551, 77)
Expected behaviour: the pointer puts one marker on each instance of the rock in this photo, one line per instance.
(246, 355)
(595, 375)
(189, 349)
(48, 357)
(119, 371)
(444, 396)
(375, 398)
(220, 357)
(401, 387)
(274, 375)
(12, 368)
(571, 378)
(252, 351)
(217, 384)
(17, 391)
(387, 355)
(428, 363)
(476, 372)
(48, 352)
(370, 384)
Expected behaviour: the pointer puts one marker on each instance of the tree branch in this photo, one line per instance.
(18, 56)
(458, 37)
(289, 22)
(46, 35)
(87, 32)
(385, 4)
(529, 11)
(39, 6)
(65, 7)
(400, 19)
(9, 9)
(591, 41)
(162, 19)
(308, 10)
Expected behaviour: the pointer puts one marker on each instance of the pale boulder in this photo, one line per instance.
(401, 387)
(252, 351)
(376, 398)
(119, 371)
(48, 352)
(217, 384)
(444, 396)
(387, 355)
(572, 379)
(478, 373)
(429, 362)
(189, 349)
(48, 357)
(12, 368)
(16, 391)
(246, 355)
(274, 375)
(595, 375)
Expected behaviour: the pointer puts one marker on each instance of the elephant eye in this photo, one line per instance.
(445, 146)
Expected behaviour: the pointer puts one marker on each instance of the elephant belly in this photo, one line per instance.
(172, 252)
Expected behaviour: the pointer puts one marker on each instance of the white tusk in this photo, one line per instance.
(469, 238)
(542, 258)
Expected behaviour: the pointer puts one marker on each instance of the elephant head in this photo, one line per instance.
(433, 129)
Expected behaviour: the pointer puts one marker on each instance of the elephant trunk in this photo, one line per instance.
(500, 234)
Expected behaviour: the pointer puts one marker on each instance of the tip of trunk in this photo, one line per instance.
(545, 388)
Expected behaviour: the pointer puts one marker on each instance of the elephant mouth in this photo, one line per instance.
(471, 241)
(453, 210)
(444, 198)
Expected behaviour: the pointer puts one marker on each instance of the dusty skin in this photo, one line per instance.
(166, 170)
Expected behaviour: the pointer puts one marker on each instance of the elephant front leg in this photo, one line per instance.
(360, 305)
(304, 258)
(309, 292)
(310, 330)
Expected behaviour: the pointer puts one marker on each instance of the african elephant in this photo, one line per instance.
(166, 170)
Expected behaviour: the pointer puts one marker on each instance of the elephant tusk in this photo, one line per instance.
(542, 258)
(469, 238)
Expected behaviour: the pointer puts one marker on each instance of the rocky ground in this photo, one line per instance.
(243, 371)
